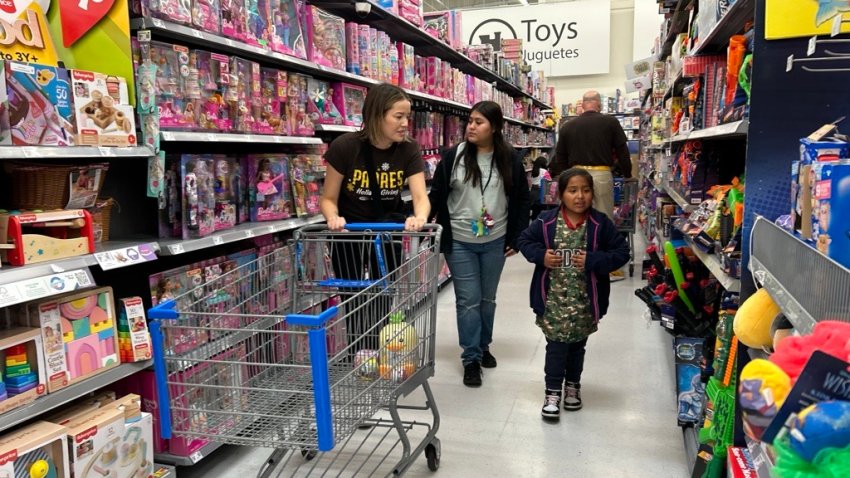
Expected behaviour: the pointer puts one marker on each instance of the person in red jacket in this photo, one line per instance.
(574, 248)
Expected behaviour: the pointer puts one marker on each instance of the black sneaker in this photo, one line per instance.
(551, 405)
(487, 360)
(572, 396)
(472, 374)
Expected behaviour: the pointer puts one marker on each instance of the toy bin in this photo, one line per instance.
(36, 450)
(50, 186)
(22, 367)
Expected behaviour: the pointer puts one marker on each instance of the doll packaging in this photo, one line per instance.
(214, 77)
(349, 101)
(321, 105)
(288, 37)
(269, 187)
(198, 195)
(326, 38)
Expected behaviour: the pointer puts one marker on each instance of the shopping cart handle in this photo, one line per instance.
(375, 226)
(309, 320)
(164, 311)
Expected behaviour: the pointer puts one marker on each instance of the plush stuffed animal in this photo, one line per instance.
(754, 319)
(399, 342)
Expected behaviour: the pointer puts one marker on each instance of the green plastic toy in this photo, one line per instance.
(678, 275)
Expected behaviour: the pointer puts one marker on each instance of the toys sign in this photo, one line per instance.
(565, 39)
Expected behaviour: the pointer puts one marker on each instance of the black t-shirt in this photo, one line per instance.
(392, 166)
(592, 139)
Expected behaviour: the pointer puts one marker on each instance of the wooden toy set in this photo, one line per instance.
(79, 334)
(38, 450)
(31, 237)
(22, 361)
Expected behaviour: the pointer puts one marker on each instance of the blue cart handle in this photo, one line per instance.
(374, 226)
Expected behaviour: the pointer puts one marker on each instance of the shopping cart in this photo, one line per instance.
(625, 213)
(308, 351)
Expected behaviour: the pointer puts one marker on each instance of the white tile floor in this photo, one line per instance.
(627, 427)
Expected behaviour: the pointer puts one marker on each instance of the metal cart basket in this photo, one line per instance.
(625, 213)
(307, 350)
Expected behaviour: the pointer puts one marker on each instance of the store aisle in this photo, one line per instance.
(627, 426)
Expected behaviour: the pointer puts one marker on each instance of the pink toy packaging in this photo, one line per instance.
(35, 105)
(422, 72)
(321, 106)
(170, 207)
(198, 196)
(349, 101)
(206, 15)
(257, 102)
(258, 30)
(239, 95)
(176, 109)
(407, 66)
(432, 70)
(364, 51)
(305, 185)
(179, 11)
(288, 35)
(213, 110)
(269, 189)
(234, 19)
(300, 123)
(436, 24)
(352, 50)
(224, 189)
(394, 64)
(326, 38)
(268, 117)
(375, 53)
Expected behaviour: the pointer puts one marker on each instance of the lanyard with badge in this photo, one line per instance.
(485, 222)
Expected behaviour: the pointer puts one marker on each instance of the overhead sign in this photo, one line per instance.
(562, 39)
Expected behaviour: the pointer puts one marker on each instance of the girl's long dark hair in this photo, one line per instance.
(502, 151)
(538, 164)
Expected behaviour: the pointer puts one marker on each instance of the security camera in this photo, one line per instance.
(362, 8)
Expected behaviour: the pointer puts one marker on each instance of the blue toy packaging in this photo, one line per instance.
(35, 106)
(831, 210)
(689, 387)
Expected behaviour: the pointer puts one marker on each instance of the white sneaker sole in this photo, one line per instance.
(572, 408)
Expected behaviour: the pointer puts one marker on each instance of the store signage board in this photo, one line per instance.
(44, 286)
(126, 256)
(562, 39)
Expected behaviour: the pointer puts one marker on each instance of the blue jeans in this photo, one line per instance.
(476, 269)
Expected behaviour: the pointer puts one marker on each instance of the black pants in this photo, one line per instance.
(353, 259)
(564, 362)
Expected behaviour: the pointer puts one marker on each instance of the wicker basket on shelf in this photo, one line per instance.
(43, 186)
(101, 215)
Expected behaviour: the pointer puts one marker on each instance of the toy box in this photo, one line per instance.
(94, 440)
(104, 114)
(300, 123)
(134, 340)
(321, 106)
(240, 190)
(802, 179)
(326, 34)
(22, 362)
(690, 390)
(306, 190)
(36, 450)
(257, 15)
(178, 11)
(198, 198)
(171, 207)
(267, 109)
(79, 335)
(288, 37)
(176, 109)
(35, 106)
(406, 65)
(830, 212)
(214, 76)
(269, 189)
(45, 236)
(352, 48)
(234, 23)
(240, 94)
(206, 15)
(349, 101)
(364, 52)
(225, 188)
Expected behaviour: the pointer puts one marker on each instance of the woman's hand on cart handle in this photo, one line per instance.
(336, 223)
(509, 252)
(414, 223)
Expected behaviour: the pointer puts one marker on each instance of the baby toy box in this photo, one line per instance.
(36, 450)
(103, 110)
(31, 237)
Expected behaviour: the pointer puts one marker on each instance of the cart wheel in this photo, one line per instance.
(308, 454)
(631, 270)
(432, 454)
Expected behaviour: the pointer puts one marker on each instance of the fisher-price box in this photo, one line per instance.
(830, 211)
(95, 443)
(22, 362)
(38, 450)
(103, 110)
(78, 330)
(134, 340)
(32, 237)
(35, 106)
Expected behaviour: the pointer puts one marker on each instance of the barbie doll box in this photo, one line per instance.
(103, 111)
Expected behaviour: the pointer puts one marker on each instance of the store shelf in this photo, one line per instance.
(336, 128)
(173, 247)
(717, 40)
(738, 128)
(677, 25)
(402, 30)
(72, 392)
(182, 33)
(676, 196)
(526, 146)
(712, 262)
(526, 125)
(690, 435)
(672, 88)
(808, 286)
(194, 458)
(194, 136)
(48, 152)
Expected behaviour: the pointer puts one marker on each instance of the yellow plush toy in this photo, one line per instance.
(762, 390)
(399, 356)
(754, 319)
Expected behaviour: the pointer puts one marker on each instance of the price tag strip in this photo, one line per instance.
(127, 256)
(45, 286)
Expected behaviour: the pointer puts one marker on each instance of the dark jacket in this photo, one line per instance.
(607, 251)
(518, 200)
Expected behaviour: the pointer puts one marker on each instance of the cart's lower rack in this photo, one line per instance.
(72, 392)
(190, 460)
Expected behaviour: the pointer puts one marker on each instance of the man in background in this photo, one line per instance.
(597, 143)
